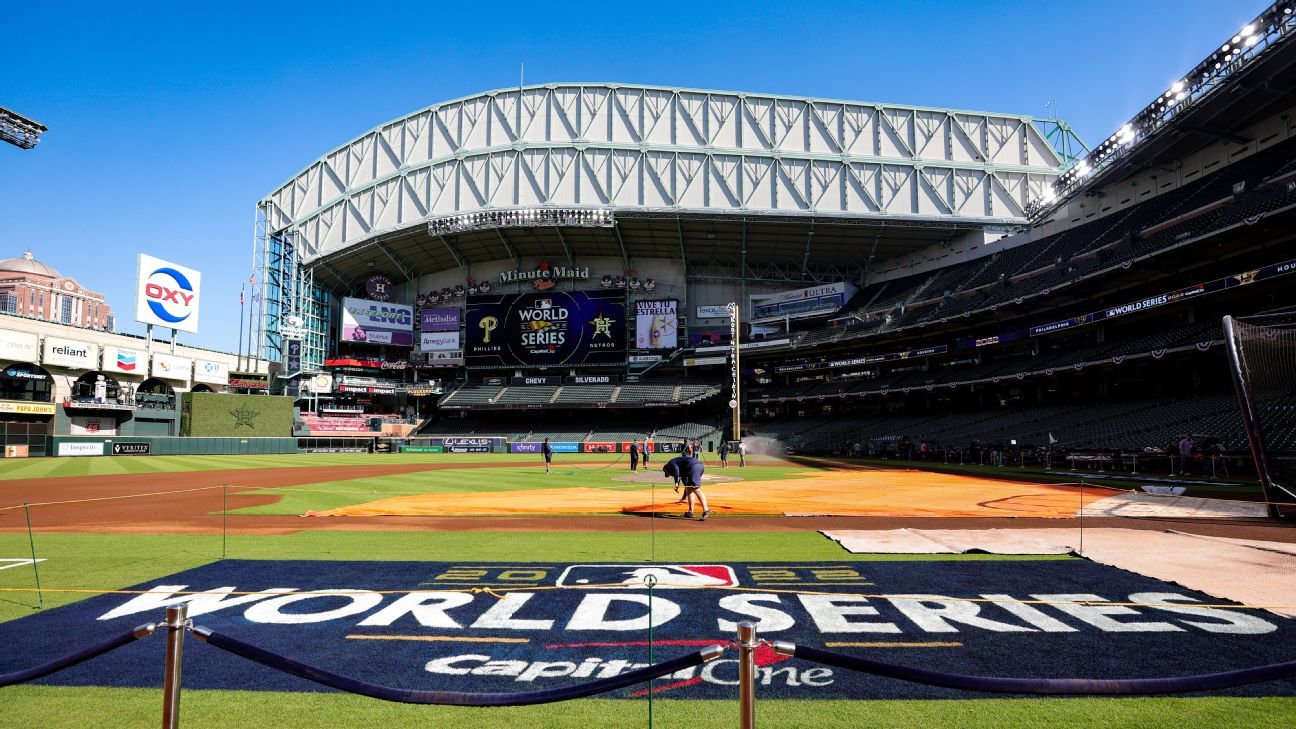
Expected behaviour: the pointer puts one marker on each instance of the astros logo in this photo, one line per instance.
(170, 295)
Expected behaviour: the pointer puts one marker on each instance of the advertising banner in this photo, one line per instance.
(536, 380)
(212, 373)
(703, 361)
(70, 353)
(19, 346)
(125, 361)
(92, 425)
(26, 408)
(656, 324)
(421, 449)
(171, 367)
(714, 311)
(599, 447)
(440, 320)
(249, 380)
(558, 328)
(131, 449)
(439, 341)
(524, 447)
(81, 449)
(167, 294)
(377, 322)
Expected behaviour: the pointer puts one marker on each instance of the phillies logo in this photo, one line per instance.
(170, 295)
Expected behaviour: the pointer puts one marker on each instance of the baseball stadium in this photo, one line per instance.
(599, 404)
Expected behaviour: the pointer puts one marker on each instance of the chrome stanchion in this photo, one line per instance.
(177, 621)
(746, 675)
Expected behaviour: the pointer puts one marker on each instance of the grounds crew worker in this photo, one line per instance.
(687, 469)
(724, 453)
(634, 456)
(548, 454)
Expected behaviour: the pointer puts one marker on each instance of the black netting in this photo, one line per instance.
(1262, 355)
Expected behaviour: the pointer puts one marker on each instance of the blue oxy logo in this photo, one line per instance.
(170, 295)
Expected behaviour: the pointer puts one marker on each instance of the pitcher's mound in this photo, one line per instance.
(657, 477)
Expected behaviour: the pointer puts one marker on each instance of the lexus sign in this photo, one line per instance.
(167, 294)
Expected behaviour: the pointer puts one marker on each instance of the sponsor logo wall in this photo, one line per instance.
(124, 361)
(70, 353)
(171, 367)
(587, 621)
(19, 346)
(550, 328)
(377, 322)
(656, 324)
(167, 294)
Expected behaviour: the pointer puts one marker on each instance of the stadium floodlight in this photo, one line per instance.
(18, 130)
(524, 218)
(1274, 26)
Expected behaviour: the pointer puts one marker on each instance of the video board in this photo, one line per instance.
(560, 328)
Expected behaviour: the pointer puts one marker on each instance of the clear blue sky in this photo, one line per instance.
(167, 124)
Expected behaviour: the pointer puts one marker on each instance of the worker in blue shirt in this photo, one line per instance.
(688, 470)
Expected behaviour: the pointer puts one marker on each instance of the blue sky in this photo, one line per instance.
(167, 123)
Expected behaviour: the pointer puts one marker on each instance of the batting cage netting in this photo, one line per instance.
(1262, 359)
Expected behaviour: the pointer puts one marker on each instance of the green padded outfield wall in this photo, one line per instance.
(208, 414)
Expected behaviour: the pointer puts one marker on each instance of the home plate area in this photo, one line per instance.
(521, 626)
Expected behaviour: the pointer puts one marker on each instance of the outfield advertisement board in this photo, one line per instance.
(132, 449)
(211, 373)
(19, 346)
(81, 449)
(535, 446)
(70, 353)
(171, 367)
(559, 328)
(564, 623)
(377, 322)
(121, 360)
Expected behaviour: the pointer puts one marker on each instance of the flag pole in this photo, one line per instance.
(242, 289)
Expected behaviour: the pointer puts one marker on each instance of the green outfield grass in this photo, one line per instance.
(58, 708)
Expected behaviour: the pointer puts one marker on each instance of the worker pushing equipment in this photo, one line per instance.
(688, 470)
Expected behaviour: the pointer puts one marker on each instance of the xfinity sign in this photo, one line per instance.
(167, 294)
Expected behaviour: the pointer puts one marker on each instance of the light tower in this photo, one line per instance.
(18, 130)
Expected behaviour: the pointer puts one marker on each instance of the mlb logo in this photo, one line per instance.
(637, 576)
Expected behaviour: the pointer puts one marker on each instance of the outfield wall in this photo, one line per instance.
(205, 414)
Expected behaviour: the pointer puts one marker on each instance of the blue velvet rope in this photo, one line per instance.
(72, 659)
(1056, 686)
(445, 698)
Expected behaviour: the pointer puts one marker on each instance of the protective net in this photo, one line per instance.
(1262, 357)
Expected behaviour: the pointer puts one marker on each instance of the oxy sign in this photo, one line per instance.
(167, 294)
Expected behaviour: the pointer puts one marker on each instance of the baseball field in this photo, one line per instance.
(483, 573)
